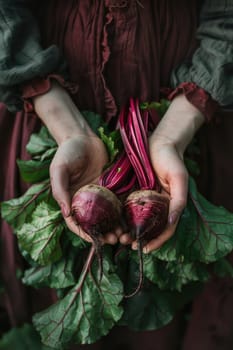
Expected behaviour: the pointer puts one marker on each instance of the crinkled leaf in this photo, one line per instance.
(23, 338)
(112, 142)
(42, 148)
(34, 170)
(48, 155)
(40, 142)
(204, 233)
(161, 106)
(152, 308)
(16, 211)
(175, 274)
(86, 313)
(149, 309)
(40, 237)
(57, 275)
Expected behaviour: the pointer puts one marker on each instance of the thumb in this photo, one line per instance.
(60, 188)
(178, 192)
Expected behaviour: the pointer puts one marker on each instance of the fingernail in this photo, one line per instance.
(173, 217)
(134, 246)
(145, 250)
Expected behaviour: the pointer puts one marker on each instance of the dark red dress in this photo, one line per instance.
(114, 50)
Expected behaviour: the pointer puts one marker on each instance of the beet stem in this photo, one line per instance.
(86, 267)
(98, 250)
(141, 269)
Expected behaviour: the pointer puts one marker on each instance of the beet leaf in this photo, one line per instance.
(22, 338)
(86, 313)
(40, 238)
(168, 275)
(41, 142)
(59, 274)
(18, 210)
(153, 308)
(204, 233)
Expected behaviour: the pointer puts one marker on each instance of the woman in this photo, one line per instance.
(113, 50)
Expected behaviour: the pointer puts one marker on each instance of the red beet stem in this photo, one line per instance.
(119, 178)
(134, 137)
(141, 272)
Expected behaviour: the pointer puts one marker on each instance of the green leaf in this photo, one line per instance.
(86, 313)
(112, 142)
(56, 275)
(42, 148)
(204, 233)
(48, 155)
(161, 106)
(175, 274)
(40, 142)
(148, 310)
(23, 338)
(16, 211)
(153, 308)
(34, 170)
(40, 237)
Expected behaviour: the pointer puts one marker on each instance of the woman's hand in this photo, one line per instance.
(80, 156)
(167, 145)
(77, 162)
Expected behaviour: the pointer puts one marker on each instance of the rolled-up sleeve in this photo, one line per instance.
(22, 57)
(211, 67)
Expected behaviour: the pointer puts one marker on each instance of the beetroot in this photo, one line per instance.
(146, 209)
(147, 213)
(97, 211)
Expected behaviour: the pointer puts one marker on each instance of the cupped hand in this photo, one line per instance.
(173, 177)
(80, 156)
(167, 145)
(78, 161)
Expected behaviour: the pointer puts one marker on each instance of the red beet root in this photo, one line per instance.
(97, 211)
(146, 212)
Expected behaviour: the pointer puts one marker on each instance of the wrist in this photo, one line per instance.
(179, 124)
(59, 113)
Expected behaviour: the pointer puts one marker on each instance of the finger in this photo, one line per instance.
(159, 241)
(60, 188)
(178, 196)
(110, 238)
(178, 190)
(75, 228)
(125, 239)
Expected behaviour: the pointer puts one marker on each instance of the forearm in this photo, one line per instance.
(59, 113)
(179, 124)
